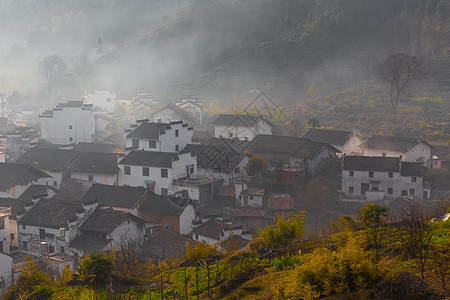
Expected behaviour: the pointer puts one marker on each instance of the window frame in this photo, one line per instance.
(126, 170)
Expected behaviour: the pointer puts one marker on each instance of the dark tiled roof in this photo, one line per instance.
(372, 163)
(114, 196)
(247, 212)
(89, 242)
(334, 137)
(51, 213)
(212, 229)
(167, 244)
(392, 143)
(215, 157)
(235, 144)
(106, 220)
(236, 120)
(281, 202)
(201, 135)
(411, 169)
(44, 144)
(36, 191)
(149, 130)
(12, 174)
(149, 158)
(95, 162)
(95, 147)
(17, 206)
(164, 204)
(54, 160)
(401, 205)
(304, 147)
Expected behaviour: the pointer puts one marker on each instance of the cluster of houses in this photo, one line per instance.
(175, 179)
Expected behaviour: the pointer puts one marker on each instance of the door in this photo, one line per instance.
(364, 188)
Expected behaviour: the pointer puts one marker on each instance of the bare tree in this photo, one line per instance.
(397, 70)
(52, 69)
(415, 231)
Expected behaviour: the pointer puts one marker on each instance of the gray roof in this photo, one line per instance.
(149, 130)
(95, 147)
(393, 143)
(17, 206)
(167, 244)
(114, 196)
(12, 174)
(55, 160)
(372, 163)
(164, 204)
(95, 162)
(412, 169)
(89, 241)
(237, 120)
(334, 137)
(213, 229)
(35, 191)
(51, 213)
(106, 220)
(149, 158)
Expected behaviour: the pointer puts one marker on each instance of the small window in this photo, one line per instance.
(412, 192)
(351, 190)
(152, 144)
(240, 197)
(2, 223)
(24, 245)
(70, 139)
(145, 171)
(177, 148)
(164, 191)
(177, 132)
(251, 197)
(108, 99)
(413, 179)
(351, 173)
(127, 170)
(135, 143)
(55, 183)
(237, 170)
(384, 154)
(391, 174)
(390, 191)
(11, 236)
(371, 174)
(164, 173)
(24, 226)
(70, 126)
(90, 178)
(41, 234)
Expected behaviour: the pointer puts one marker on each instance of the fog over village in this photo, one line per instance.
(225, 149)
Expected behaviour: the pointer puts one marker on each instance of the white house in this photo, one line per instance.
(101, 99)
(160, 137)
(16, 178)
(248, 196)
(410, 149)
(215, 231)
(108, 228)
(6, 271)
(54, 162)
(155, 170)
(49, 226)
(95, 167)
(243, 127)
(68, 123)
(170, 113)
(5, 229)
(191, 105)
(381, 178)
(347, 142)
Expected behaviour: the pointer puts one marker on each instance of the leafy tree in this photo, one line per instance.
(397, 70)
(52, 69)
(329, 167)
(96, 269)
(415, 231)
(286, 229)
(313, 123)
(440, 261)
(256, 166)
(373, 217)
(198, 256)
(33, 283)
